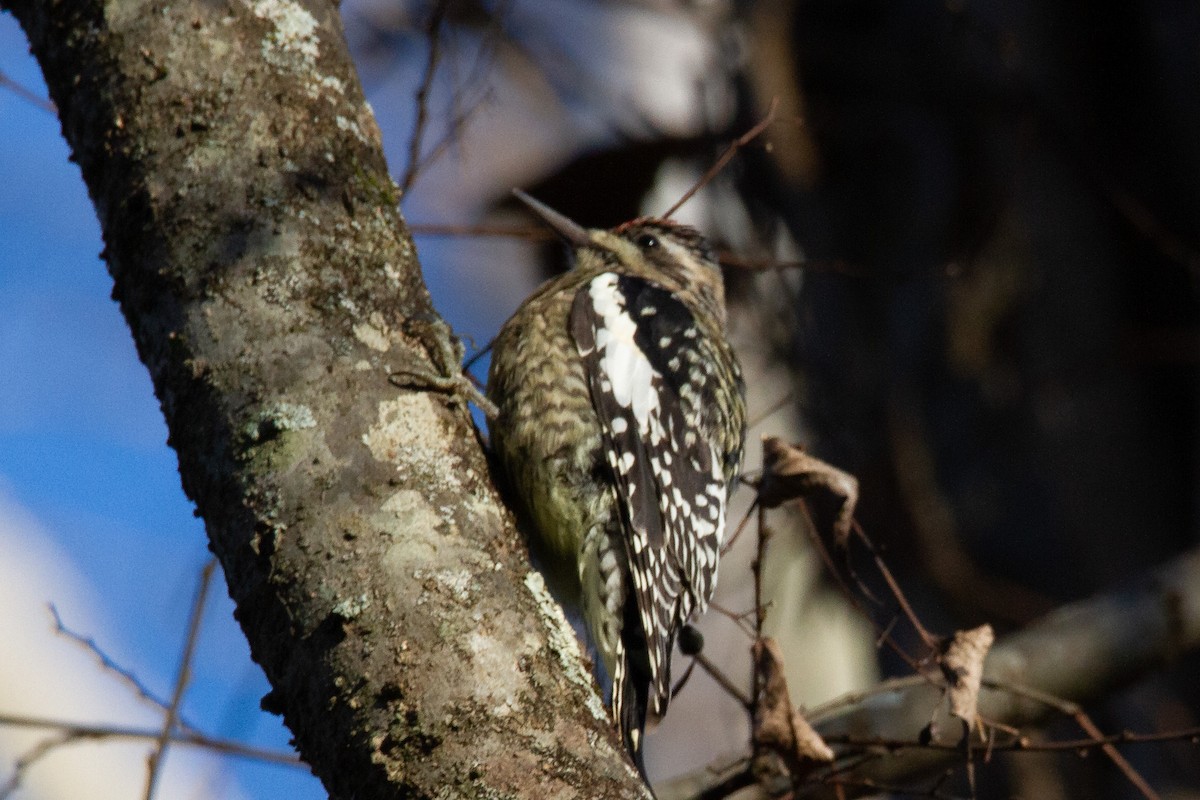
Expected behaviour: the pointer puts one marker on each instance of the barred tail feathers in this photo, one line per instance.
(633, 685)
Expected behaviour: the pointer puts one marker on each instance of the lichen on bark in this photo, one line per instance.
(266, 275)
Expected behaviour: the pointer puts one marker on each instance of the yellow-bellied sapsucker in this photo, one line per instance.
(621, 419)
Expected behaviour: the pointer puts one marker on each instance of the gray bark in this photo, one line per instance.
(272, 289)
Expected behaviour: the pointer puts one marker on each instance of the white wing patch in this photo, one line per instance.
(622, 362)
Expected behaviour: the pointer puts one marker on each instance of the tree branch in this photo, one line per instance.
(271, 287)
(1078, 653)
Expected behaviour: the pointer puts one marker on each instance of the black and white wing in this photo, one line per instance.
(647, 368)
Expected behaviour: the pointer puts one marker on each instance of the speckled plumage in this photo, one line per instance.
(619, 431)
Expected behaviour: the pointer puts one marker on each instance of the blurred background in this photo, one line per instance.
(964, 263)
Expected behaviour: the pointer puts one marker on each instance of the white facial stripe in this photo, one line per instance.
(682, 255)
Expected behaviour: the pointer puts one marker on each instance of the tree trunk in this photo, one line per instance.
(252, 233)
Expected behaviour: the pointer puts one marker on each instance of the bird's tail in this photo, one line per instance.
(631, 686)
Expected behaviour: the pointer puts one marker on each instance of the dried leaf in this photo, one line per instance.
(962, 663)
(809, 744)
(789, 473)
(778, 726)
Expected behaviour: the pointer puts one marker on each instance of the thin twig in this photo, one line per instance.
(818, 713)
(737, 532)
(27, 95)
(1081, 718)
(154, 763)
(74, 731)
(453, 133)
(108, 664)
(852, 573)
(477, 75)
(478, 354)
(928, 638)
(729, 153)
(740, 619)
(1021, 744)
(757, 677)
(756, 567)
(28, 759)
(934, 791)
(1114, 755)
(883, 633)
(720, 677)
(435, 51)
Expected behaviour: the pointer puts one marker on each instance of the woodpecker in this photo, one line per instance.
(619, 430)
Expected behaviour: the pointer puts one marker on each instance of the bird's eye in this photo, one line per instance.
(646, 241)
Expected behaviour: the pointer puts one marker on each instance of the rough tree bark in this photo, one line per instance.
(253, 236)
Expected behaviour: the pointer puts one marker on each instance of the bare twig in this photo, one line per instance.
(726, 257)
(720, 677)
(728, 785)
(74, 731)
(26, 94)
(433, 31)
(725, 158)
(454, 129)
(742, 619)
(1133, 776)
(1020, 743)
(28, 759)
(1143, 219)
(1075, 711)
(741, 527)
(866, 785)
(927, 638)
(478, 354)
(756, 566)
(170, 719)
(883, 632)
(940, 548)
(108, 664)
(1113, 638)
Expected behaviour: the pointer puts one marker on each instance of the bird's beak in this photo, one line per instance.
(574, 233)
